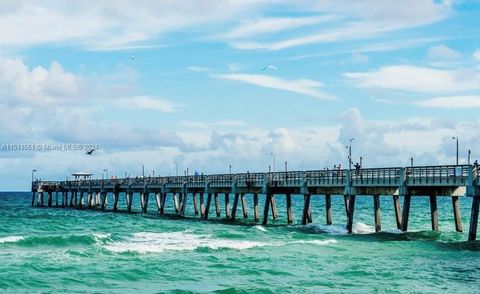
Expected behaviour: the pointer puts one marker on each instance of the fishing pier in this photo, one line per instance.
(198, 190)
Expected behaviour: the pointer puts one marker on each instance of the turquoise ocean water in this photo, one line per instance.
(67, 250)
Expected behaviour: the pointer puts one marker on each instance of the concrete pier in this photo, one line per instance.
(401, 183)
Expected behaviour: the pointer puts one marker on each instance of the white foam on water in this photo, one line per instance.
(11, 239)
(316, 242)
(102, 235)
(358, 228)
(145, 242)
(362, 228)
(260, 228)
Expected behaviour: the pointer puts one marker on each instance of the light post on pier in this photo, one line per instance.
(349, 147)
(176, 167)
(469, 153)
(411, 161)
(286, 166)
(105, 170)
(273, 154)
(456, 138)
(230, 169)
(33, 172)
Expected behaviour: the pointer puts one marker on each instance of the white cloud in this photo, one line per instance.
(262, 26)
(302, 86)
(111, 25)
(451, 102)
(442, 52)
(146, 103)
(39, 86)
(363, 20)
(418, 79)
(476, 55)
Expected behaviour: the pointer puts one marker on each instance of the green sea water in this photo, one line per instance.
(77, 251)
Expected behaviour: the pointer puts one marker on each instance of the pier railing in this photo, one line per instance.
(444, 175)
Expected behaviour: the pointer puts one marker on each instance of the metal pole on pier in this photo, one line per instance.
(456, 138)
(273, 154)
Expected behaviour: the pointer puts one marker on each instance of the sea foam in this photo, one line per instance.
(145, 242)
(11, 239)
(358, 228)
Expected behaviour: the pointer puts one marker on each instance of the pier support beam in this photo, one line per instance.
(115, 201)
(49, 201)
(256, 212)
(217, 204)
(202, 206)
(268, 199)
(472, 233)
(175, 203)
(328, 208)
(64, 198)
(145, 201)
(456, 214)
(129, 201)
(274, 207)
(164, 202)
(80, 203)
(40, 199)
(56, 198)
(306, 208)
(244, 206)
(103, 200)
(351, 211)
(207, 205)
(183, 205)
(289, 209)
(195, 204)
(235, 205)
(406, 212)
(33, 198)
(398, 213)
(434, 212)
(227, 205)
(158, 201)
(377, 213)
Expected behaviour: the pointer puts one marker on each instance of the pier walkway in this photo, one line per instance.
(428, 181)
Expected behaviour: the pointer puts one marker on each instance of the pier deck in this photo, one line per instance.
(431, 181)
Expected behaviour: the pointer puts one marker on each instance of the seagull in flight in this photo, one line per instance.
(272, 67)
(89, 152)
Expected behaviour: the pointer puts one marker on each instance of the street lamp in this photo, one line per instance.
(469, 154)
(105, 170)
(176, 167)
(33, 172)
(230, 168)
(456, 138)
(350, 152)
(273, 154)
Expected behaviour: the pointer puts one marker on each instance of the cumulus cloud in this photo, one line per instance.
(39, 86)
(418, 79)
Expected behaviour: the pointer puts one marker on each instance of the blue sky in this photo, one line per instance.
(216, 83)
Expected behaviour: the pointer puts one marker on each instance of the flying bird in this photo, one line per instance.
(272, 67)
(132, 57)
(89, 152)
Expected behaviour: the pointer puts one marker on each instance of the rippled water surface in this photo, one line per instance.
(67, 250)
